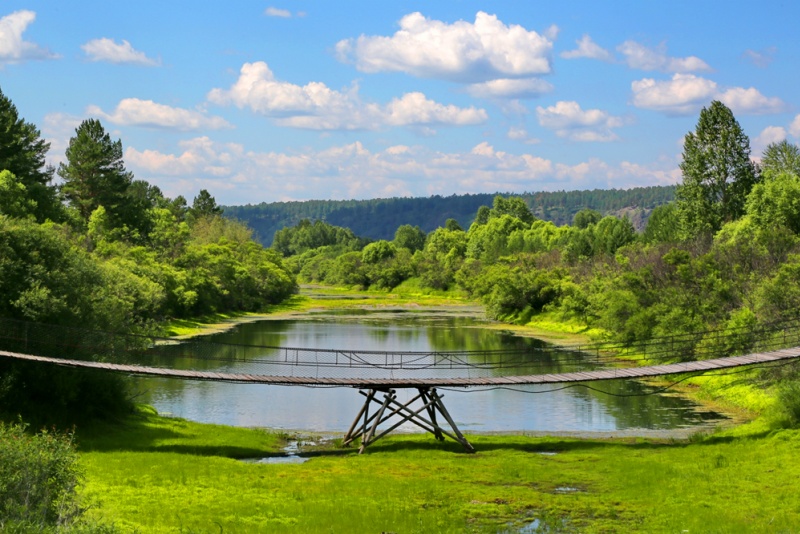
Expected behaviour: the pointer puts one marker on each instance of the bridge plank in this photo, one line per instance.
(553, 378)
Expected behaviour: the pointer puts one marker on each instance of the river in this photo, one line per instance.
(619, 407)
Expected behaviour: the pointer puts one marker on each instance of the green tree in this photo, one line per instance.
(663, 225)
(776, 202)
(14, 199)
(780, 157)
(205, 205)
(409, 237)
(23, 152)
(514, 206)
(585, 217)
(95, 174)
(717, 172)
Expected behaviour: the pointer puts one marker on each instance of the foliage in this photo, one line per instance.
(204, 205)
(717, 172)
(380, 218)
(775, 202)
(23, 153)
(308, 236)
(663, 226)
(38, 478)
(94, 174)
(782, 157)
(585, 217)
(14, 198)
(411, 237)
(125, 259)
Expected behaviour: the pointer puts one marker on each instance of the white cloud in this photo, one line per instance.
(123, 53)
(568, 120)
(239, 176)
(794, 127)
(751, 101)
(510, 88)
(516, 133)
(415, 108)
(12, 47)
(769, 135)
(588, 49)
(136, 112)
(760, 58)
(315, 106)
(638, 56)
(686, 93)
(278, 12)
(484, 50)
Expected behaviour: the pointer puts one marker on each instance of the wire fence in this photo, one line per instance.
(201, 354)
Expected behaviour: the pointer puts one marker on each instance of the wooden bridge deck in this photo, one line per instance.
(372, 383)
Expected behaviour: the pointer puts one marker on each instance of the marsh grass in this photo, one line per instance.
(156, 474)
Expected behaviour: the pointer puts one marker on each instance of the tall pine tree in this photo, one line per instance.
(95, 174)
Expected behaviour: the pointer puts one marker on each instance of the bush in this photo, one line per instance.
(38, 477)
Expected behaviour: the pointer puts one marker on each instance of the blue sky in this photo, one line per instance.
(262, 102)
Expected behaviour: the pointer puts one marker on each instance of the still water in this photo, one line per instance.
(547, 408)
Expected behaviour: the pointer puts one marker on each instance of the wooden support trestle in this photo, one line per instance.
(366, 426)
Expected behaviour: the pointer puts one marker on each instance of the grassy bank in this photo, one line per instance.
(154, 474)
(151, 474)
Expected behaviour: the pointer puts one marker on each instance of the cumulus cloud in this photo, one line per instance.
(354, 171)
(13, 48)
(510, 88)
(136, 112)
(462, 51)
(315, 106)
(686, 93)
(588, 49)
(751, 101)
(638, 56)
(568, 120)
(119, 53)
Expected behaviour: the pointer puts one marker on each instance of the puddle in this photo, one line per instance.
(566, 489)
(545, 453)
(291, 455)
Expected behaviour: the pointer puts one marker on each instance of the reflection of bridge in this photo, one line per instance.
(382, 373)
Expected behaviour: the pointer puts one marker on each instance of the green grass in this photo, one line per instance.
(154, 474)
(167, 475)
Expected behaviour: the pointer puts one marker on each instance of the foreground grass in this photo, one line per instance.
(152, 474)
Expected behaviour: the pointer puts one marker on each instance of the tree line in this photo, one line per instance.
(379, 218)
(103, 250)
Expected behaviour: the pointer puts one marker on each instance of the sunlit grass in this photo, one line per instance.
(166, 475)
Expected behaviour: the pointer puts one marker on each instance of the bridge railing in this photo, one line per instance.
(202, 354)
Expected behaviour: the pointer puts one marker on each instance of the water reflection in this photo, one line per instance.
(608, 406)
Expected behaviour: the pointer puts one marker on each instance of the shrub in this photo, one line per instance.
(38, 477)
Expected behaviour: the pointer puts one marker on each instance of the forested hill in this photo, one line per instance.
(380, 218)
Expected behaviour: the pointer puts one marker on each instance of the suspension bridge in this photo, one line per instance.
(379, 374)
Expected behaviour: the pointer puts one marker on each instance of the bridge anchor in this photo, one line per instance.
(427, 401)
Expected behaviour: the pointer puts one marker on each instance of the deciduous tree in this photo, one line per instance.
(717, 172)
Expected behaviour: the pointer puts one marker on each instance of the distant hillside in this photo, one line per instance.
(379, 218)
